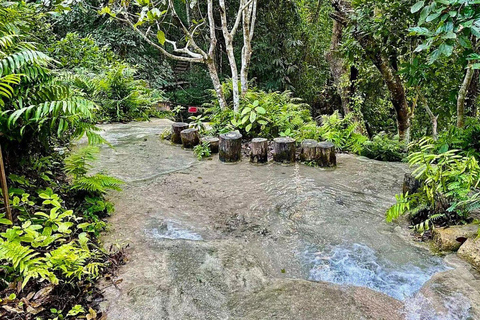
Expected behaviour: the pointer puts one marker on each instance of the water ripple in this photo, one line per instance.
(359, 265)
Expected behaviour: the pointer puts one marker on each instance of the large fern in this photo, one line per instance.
(25, 261)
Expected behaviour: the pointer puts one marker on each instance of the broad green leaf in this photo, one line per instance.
(253, 117)
(261, 110)
(417, 6)
(246, 110)
(161, 37)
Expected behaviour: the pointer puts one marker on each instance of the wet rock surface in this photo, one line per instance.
(470, 252)
(218, 241)
(451, 238)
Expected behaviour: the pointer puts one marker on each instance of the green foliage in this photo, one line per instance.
(78, 164)
(448, 179)
(198, 123)
(120, 96)
(466, 139)
(381, 147)
(262, 114)
(445, 25)
(202, 150)
(74, 52)
(342, 132)
(251, 115)
(47, 245)
(36, 108)
(398, 209)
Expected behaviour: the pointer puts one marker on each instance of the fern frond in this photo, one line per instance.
(25, 261)
(97, 183)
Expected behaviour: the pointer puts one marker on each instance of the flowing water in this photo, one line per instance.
(216, 241)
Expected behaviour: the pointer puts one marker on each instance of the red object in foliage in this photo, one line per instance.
(192, 109)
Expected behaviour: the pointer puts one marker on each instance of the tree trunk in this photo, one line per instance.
(259, 150)
(190, 138)
(472, 95)
(433, 117)
(229, 37)
(248, 17)
(462, 94)
(217, 85)
(177, 128)
(373, 51)
(230, 147)
(338, 67)
(284, 150)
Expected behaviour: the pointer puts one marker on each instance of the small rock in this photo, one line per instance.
(451, 238)
(470, 252)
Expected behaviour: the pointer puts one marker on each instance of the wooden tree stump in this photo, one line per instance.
(309, 150)
(177, 128)
(326, 154)
(190, 138)
(259, 150)
(230, 147)
(214, 143)
(284, 150)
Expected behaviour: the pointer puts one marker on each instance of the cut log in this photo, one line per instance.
(284, 150)
(177, 128)
(213, 142)
(309, 150)
(230, 147)
(190, 138)
(259, 150)
(326, 154)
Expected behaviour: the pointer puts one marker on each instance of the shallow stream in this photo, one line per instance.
(216, 241)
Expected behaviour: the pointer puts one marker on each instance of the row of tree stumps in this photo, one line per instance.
(229, 147)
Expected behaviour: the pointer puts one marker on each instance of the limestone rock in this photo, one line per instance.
(451, 238)
(470, 252)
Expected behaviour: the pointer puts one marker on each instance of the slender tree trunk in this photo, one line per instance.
(230, 53)
(433, 117)
(234, 71)
(397, 94)
(217, 85)
(472, 95)
(248, 17)
(462, 94)
(338, 67)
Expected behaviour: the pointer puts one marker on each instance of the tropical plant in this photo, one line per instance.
(78, 164)
(202, 150)
(45, 244)
(36, 108)
(120, 95)
(448, 180)
(383, 148)
(341, 131)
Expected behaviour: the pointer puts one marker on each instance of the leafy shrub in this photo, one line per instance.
(118, 94)
(381, 147)
(448, 179)
(202, 150)
(74, 52)
(341, 131)
(47, 245)
(37, 110)
(466, 139)
(262, 114)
